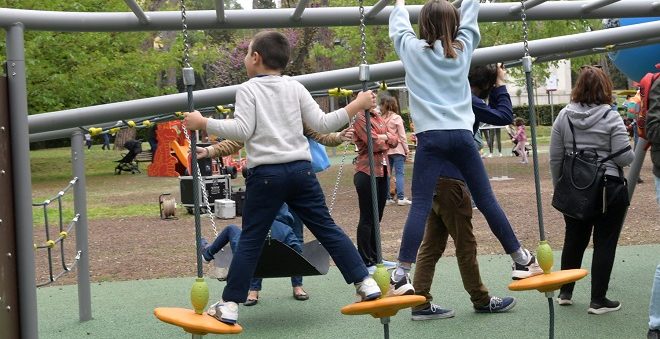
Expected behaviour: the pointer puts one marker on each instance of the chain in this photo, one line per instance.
(523, 16)
(186, 46)
(363, 35)
(193, 153)
(339, 172)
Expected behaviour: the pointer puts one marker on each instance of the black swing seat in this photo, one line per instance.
(278, 260)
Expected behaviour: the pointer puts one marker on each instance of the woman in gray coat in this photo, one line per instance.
(599, 128)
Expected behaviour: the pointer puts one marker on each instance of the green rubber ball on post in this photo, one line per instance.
(382, 278)
(199, 295)
(544, 256)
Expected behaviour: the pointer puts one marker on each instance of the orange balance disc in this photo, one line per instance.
(195, 323)
(384, 307)
(548, 282)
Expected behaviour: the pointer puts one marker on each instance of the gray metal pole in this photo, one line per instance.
(220, 10)
(379, 6)
(281, 17)
(95, 115)
(137, 10)
(20, 148)
(593, 5)
(636, 166)
(82, 245)
(528, 5)
(298, 12)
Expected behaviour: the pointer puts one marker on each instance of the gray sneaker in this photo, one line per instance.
(224, 311)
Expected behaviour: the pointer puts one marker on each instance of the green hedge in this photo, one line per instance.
(543, 113)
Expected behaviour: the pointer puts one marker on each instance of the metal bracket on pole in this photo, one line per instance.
(376, 9)
(139, 13)
(298, 12)
(220, 10)
(596, 4)
(527, 63)
(364, 72)
(188, 76)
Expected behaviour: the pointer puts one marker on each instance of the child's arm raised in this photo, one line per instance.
(468, 31)
(401, 30)
(315, 118)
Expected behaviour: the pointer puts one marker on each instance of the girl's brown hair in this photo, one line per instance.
(439, 20)
(593, 87)
(519, 122)
(388, 104)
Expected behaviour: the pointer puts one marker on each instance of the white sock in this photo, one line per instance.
(400, 271)
(521, 256)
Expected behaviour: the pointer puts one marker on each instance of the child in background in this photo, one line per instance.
(521, 139)
(382, 141)
(270, 110)
(396, 155)
(437, 68)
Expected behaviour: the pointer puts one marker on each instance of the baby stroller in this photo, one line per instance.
(511, 131)
(128, 163)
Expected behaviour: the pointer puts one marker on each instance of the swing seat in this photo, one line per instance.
(191, 322)
(548, 282)
(383, 307)
(278, 260)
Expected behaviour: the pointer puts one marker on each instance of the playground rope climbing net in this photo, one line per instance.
(63, 234)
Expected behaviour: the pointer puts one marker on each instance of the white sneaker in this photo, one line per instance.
(389, 264)
(525, 271)
(367, 289)
(490, 155)
(400, 287)
(389, 202)
(371, 269)
(225, 311)
(404, 202)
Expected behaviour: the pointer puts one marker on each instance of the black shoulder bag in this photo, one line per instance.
(580, 191)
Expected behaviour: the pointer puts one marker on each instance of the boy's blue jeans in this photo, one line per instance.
(267, 187)
(436, 150)
(396, 166)
(231, 234)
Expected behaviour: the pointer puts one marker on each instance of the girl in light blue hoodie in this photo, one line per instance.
(437, 66)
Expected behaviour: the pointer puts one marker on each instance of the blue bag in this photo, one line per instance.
(320, 161)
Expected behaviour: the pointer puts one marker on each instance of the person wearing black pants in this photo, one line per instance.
(366, 234)
(382, 141)
(588, 123)
(606, 230)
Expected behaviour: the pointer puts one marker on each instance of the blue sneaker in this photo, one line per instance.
(497, 305)
(389, 264)
(432, 312)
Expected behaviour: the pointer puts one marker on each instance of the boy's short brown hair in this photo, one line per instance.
(274, 49)
(593, 87)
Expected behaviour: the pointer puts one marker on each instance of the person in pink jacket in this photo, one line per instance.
(521, 137)
(396, 155)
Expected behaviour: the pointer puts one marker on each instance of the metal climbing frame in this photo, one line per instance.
(65, 123)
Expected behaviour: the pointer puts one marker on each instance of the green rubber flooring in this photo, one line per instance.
(125, 309)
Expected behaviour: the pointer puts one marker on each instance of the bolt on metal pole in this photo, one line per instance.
(82, 245)
(20, 148)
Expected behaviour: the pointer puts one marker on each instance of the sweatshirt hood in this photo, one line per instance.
(585, 116)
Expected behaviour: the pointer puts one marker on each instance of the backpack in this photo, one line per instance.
(644, 91)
